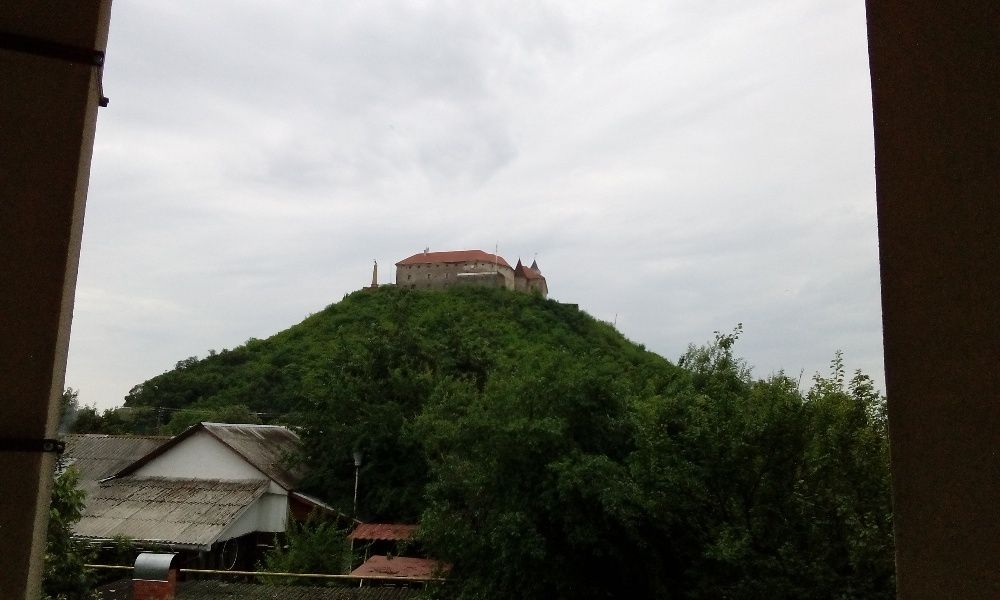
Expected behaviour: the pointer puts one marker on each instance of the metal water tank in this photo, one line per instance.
(153, 566)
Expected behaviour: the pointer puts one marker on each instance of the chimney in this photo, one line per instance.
(154, 577)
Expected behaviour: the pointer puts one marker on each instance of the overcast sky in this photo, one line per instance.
(682, 166)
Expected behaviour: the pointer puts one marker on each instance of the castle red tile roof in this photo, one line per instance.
(453, 256)
(527, 272)
(383, 531)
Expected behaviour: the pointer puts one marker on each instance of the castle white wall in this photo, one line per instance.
(441, 275)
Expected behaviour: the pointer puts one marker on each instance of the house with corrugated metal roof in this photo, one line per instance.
(215, 492)
(98, 456)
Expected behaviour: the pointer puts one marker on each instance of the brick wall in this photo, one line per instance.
(145, 589)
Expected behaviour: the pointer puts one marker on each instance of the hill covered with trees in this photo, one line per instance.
(546, 456)
(374, 336)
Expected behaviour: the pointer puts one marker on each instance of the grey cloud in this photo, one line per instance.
(686, 165)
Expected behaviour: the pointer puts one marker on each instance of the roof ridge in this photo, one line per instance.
(243, 425)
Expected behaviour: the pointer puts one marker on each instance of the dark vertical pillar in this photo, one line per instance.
(48, 110)
(935, 70)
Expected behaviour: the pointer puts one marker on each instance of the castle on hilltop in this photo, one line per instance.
(436, 270)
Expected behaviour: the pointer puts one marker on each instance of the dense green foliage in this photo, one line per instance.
(725, 487)
(313, 546)
(361, 369)
(546, 456)
(460, 331)
(65, 577)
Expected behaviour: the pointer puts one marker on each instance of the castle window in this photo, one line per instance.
(409, 277)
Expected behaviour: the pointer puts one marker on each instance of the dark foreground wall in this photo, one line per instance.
(936, 90)
(48, 110)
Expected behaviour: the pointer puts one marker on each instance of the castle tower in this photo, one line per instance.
(530, 279)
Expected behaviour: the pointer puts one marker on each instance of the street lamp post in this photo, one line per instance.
(357, 467)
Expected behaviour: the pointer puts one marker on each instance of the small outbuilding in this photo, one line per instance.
(417, 569)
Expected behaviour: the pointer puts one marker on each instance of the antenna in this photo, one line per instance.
(496, 256)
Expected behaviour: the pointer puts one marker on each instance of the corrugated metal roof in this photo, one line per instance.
(266, 447)
(97, 456)
(186, 512)
(383, 531)
(219, 590)
(402, 566)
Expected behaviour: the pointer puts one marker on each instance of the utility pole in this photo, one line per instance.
(357, 472)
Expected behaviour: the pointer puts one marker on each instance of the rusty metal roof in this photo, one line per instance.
(184, 512)
(220, 590)
(97, 456)
(383, 531)
(402, 566)
(266, 447)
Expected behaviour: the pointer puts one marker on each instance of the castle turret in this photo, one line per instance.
(530, 279)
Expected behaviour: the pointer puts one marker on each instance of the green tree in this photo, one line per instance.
(388, 353)
(579, 484)
(65, 577)
(88, 420)
(312, 546)
(846, 478)
(786, 495)
(532, 494)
